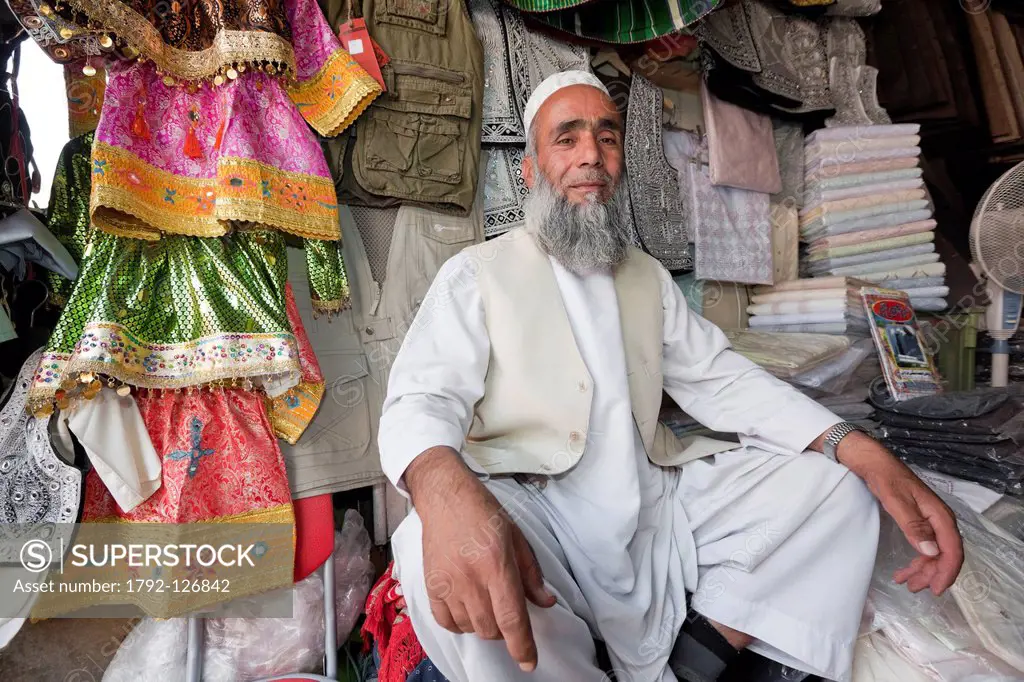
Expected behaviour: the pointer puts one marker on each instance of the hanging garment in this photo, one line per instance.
(85, 96)
(60, 39)
(177, 160)
(660, 213)
(41, 491)
(621, 21)
(178, 312)
(24, 238)
(789, 148)
(67, 217)
(785, 243)
(37, 486)
(732, 227)
(516, 60)
(221, 467)
(292, 411)
(741, 147)
(420, 140)
(191, 39)
(505, 190)
(394, 256)
(792, 54)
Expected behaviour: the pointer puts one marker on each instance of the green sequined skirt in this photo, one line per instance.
(175, 313)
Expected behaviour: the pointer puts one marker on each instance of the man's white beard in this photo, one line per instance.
(584, 238)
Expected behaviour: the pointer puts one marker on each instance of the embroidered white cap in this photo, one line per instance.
(553, 84)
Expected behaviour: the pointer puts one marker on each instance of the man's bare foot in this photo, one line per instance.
(737, 639)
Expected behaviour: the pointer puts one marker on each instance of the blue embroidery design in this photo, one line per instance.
(197, 452)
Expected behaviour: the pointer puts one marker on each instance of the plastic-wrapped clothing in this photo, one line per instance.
(932, 632)
(835, 374)
(954, 405)
(1012, 471)
(976, 496)
(1008, 514)
(1002, 451)
(990, 479)
(242, 649)
(888, 431)
(877, 660)
(1006, 421)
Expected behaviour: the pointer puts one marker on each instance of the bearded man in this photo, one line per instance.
(552, 514)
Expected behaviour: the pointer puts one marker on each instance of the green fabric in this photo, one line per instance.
(328, 282)
(68, 213)
(618, 21)
(179, 289)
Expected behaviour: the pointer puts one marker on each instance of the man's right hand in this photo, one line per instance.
(478, 566)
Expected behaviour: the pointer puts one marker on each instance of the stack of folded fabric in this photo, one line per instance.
(973, 435)
(827, 305)
(866, 213)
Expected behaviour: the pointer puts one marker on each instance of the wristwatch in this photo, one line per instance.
(836, 434)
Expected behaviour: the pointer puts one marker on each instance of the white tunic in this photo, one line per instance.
(620, 520)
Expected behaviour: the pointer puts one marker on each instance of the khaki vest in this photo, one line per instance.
(535, 413)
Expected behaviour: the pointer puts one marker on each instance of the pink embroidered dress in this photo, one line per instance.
(193, 184)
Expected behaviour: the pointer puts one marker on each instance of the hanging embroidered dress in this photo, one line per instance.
(185, 157)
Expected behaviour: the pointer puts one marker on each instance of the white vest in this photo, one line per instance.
(534, 415)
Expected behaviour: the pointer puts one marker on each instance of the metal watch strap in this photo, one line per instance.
(837, 433)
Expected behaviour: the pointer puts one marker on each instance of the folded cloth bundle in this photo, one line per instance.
(837, 294)
(794, 307)
(852, 133)
(885, 265)
(817, 231)
(870, 235)
(832, 265)
(842, 220)
(925, 292)
(815, 254)
(817, 195)
(910, 271)
(759, 321)
(847, 206)
(816, 284)
(787, 354)
(818, 162)
(835, 183)
(842, 148)
(928, 305)
(827, 172)
(848, 327)
(912, 283)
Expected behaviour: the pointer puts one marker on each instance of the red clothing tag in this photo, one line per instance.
(360, 45)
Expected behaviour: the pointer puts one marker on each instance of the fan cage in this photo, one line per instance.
(997, 231)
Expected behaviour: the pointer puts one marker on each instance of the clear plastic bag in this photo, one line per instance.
(935, 633)
(241, 649)
(834, 375)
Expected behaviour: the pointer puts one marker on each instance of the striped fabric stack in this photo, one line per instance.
(829, 305)
(865, 212)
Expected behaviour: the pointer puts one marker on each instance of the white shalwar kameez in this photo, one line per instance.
(774, 543)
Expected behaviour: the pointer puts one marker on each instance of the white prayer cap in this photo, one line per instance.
(553, 84)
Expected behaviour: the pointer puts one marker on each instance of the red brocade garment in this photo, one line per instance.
(388, 625)
(220, 459)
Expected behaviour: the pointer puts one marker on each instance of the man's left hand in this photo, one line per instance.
(928, 524)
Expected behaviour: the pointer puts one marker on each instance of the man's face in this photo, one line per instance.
(578, 134)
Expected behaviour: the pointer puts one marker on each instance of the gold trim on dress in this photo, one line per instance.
(328, 111)
(229, 49)
(112, 351)
(131, 198)
(292, 412)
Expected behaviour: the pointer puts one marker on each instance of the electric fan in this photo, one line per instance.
(997, 246)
